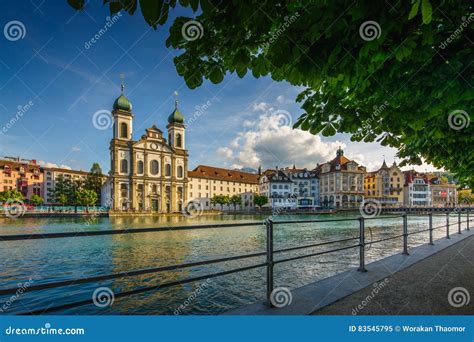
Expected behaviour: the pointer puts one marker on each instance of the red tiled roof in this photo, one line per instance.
(216, 173)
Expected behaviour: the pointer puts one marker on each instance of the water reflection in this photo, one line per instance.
(61, 259)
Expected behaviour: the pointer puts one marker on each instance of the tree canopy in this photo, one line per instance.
(398, 73)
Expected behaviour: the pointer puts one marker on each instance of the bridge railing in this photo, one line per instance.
(269, 253)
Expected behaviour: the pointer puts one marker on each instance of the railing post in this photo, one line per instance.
(459, 222)
(467, 219)
(405, 234)
(430, 216)
(447, 226)
(361, 245)
(269, 224)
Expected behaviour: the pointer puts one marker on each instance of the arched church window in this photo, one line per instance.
(123, 130)
(124, 166)
(179, 140)
(168, 170)
(180, 171)
(154, 167)
(140, 167)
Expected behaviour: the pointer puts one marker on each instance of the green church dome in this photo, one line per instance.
(176, 116)
(122, 103)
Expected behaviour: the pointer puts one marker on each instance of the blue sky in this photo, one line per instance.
(245, 122)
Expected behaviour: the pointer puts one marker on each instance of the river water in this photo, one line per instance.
(51, 260)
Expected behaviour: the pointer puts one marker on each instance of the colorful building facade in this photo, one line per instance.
(149, 174)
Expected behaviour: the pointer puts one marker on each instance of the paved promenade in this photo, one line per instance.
(421, 289)
(414, 284)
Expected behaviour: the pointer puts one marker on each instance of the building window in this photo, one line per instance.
(179, 140)
(168, 170)
(154, 167)
(180, 172)
(123, 130)
(140, 167)
(124, 166)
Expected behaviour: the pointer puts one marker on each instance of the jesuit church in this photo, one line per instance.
(150, 174)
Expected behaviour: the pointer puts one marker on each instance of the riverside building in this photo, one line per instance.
(148, 174)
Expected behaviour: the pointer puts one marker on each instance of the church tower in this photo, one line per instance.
(123, 117)
(121, 152)
(176, 129)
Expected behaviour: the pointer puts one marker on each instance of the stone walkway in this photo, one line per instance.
(420, 289)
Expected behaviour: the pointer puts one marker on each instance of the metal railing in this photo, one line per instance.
(269, 253)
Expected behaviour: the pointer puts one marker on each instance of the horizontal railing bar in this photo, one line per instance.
(385, 239)
(355, 219)
(418, 231)
(144, 289)
(313, 245)
(129, 274)
(314, 254)
(120, 231)
(382, 217)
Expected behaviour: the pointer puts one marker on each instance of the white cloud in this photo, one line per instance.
(225, 152)
(272, 142)
(76, 149)
(53, 165)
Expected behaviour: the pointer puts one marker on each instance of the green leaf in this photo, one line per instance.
(426, 11)
(216, 75)
(76, 4)
(414, 9)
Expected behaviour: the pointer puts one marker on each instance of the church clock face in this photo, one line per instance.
(154, 146)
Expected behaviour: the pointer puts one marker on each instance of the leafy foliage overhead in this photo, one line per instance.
(381, 71)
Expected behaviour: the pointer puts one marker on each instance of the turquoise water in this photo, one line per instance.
(50, 260)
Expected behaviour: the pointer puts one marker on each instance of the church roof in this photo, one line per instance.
(211, 172)
(176, 116)
(122, 103)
